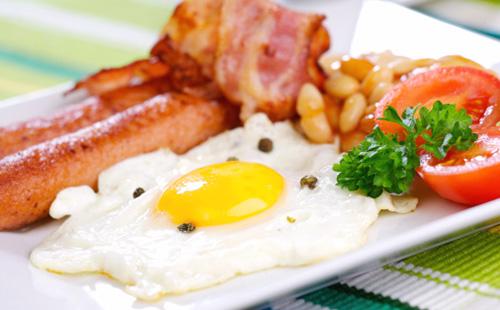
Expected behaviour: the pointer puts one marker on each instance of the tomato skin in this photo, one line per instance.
(473, 177)
(471, 188)
(469, 184)
(462, 86)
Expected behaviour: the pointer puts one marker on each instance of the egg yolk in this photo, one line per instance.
(222, 193)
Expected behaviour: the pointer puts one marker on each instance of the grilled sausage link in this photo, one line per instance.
(31, 179)
(17, 137)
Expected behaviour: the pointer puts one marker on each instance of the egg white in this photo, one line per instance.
(110, 232)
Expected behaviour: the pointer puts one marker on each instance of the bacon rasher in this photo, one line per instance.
(258, 53)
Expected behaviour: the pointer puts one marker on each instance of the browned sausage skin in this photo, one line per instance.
(17, 137)
(30, 179)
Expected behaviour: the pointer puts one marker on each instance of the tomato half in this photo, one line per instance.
(471, 177)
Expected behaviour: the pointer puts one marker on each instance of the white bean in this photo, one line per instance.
(310, 101)
(376, 76)
(379, 92)
(317, 128)
(341, 86)
(353, 110)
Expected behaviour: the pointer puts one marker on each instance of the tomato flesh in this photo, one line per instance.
(471, 177)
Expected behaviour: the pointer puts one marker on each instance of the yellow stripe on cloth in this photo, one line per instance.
(16, 80)
(65, 49)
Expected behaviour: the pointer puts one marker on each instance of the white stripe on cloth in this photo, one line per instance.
(423, 293)
(82, 25)
(479, 287)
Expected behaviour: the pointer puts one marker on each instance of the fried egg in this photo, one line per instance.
(163, 223)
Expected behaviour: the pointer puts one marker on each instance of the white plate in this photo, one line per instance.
(382, 26)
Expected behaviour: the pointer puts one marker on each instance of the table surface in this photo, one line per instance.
(47, 42)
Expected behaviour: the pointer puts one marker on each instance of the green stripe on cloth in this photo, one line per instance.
(18, 79)
(67, 50)
(41, 58)
(150, 14)
(474, 258)
(342, 297)
(40, 65)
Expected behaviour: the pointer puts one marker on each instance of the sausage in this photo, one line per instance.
(16, 137)
(31, 179)
(19, 136)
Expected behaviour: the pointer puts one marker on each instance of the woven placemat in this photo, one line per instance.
(464, 274)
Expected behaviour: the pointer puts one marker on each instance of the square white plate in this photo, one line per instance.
(382, 26)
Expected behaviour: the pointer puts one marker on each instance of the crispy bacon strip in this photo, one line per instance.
(259, 53)
(181, 70)
(134, 73)
(30, 180)
(193, 30)
(185, 71)
(263, 55)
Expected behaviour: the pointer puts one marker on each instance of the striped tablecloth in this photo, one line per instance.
(47, 42)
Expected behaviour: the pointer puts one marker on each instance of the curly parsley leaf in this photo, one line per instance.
(379, 163)
(407, 119)
(383, 163)
(444, 127)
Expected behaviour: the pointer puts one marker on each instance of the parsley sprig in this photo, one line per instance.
(382, 162)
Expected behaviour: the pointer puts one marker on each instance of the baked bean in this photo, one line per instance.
(379, 92)
(404, 65)
(352, 111)
(317, 128)
(456, 60)
(310, 101)
(330, 63)
(355, 67)
(380, 59)
(341, 86)
(332, 111)
(377, 75)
